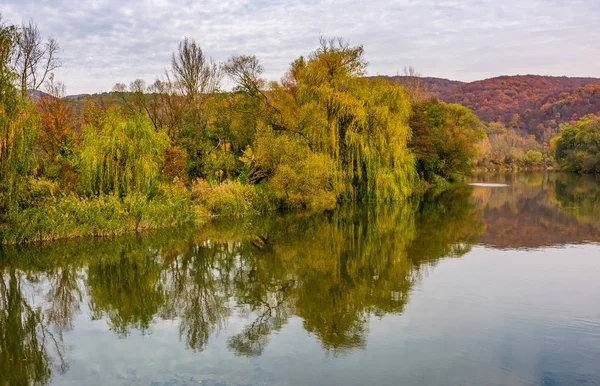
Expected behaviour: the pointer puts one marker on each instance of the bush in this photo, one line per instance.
(533, 158)
(233, 198)
(106, 215)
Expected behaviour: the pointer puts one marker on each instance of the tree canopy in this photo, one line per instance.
(577, 148)
(444, 139)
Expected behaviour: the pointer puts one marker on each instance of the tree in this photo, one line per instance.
(356, 129)
(165, 106)
(444, 139)
(17, 126)
(577, 148)
(533, 158)
(246, 71)
(57, 120)
(9, 36)
(193, 72)
(413, 84)
(136, 100)
(121, 156)
(361, 124)
(35, 59)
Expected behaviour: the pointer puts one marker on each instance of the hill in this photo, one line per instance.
(433, 86)
(531, 104)
(36, 95)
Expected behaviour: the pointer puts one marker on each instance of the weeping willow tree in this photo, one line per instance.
(325, 105)
(362, 124)
(121, 156)
(17, 127)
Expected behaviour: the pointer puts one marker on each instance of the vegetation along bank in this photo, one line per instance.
(182, 149)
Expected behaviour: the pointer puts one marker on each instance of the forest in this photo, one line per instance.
(183, 149)
(522, 114)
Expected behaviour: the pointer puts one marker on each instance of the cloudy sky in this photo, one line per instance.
(109, 41)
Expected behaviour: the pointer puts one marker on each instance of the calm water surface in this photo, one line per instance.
(481, 285)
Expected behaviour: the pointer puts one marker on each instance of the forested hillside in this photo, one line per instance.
(530, 104)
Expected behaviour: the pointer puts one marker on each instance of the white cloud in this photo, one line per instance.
(106, 41)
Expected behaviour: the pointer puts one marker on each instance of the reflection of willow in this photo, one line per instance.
(197, 290)
(349, 266)
(333, 270)
(64, 297)
(26, 342)
(126, 288)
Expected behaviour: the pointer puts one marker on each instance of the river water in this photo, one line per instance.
(495, 283)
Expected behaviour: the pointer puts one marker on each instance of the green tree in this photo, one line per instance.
(18, 123)
(361, 124)
(533, 158)
(444, 139)
(358, 127)
(122, 155)
(577, 148)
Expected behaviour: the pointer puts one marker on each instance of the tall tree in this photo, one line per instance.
(57, 119)
(35, 58)
(362, 124)
(193, 72)
(246, 71)
(17, 125)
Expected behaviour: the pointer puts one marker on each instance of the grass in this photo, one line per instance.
(50, 215)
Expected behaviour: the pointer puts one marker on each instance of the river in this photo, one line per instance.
(495, 283)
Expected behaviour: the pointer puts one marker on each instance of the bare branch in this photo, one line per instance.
(413, 84)
(245, 70)
(193, 72)
(54, 88)
(35, 59)
(120, 87)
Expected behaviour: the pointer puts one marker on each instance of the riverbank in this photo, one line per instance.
(514, 168)
(53, 215)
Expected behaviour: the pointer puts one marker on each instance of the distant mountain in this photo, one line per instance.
(532, 104)
(36, 95)
(76, 96)
(434, 86)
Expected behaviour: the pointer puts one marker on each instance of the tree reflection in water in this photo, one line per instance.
(333, 271)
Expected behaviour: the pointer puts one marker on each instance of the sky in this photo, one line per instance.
(108, 41)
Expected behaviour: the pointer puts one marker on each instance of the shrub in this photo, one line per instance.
(533, 158)
(106, 215)
(233, 197)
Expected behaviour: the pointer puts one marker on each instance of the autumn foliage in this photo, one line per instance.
(150, 156)
(58, 123)
(530, 104)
